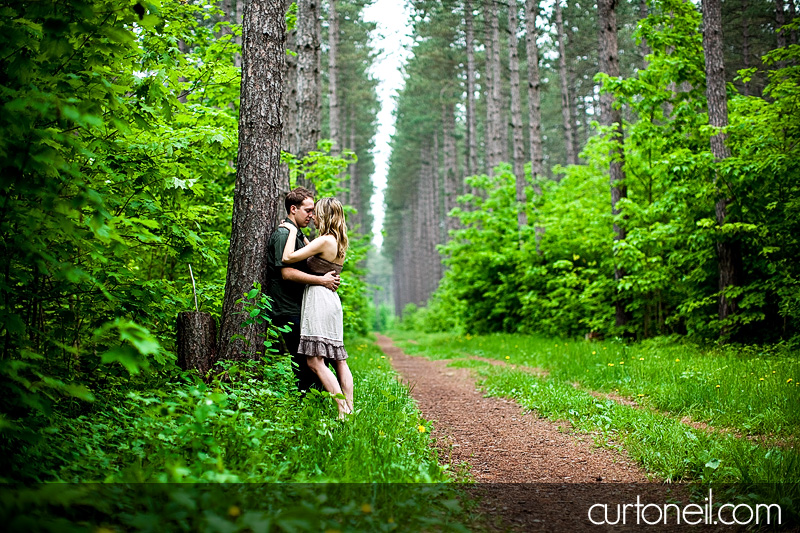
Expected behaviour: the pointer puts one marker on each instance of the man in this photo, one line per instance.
(286, 283)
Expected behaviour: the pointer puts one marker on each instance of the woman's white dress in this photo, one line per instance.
(321, 317)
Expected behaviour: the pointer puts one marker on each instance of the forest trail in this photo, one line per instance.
(548, 474)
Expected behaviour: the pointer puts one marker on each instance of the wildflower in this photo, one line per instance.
(391, 520)
(717, 386)
(594, 353)
(383, 357)
(622, 362)
(760, 379)
(507, 357)
(773, 371)
(234, 511)
(421, 428)
(789, 380)
(366, 508)
(677, 360)
(640, 395)
(610, 364)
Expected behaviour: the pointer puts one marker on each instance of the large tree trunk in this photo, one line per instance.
(534, 85)
(308, 77)
(255, 198)
(517, 136)
(472, 131)
(728, 249)
(333, 75)
(612, 116)
(566, 102)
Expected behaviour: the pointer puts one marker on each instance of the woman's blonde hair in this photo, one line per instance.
(329, 220)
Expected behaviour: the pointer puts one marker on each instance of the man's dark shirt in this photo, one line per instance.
(287, 296)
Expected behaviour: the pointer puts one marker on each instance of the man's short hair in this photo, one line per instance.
(296, 197)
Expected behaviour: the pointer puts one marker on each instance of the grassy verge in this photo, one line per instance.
(249, 454)
(749, 389)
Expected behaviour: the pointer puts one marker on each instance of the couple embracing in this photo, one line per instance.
(303, 277)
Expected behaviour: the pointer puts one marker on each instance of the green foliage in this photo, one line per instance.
(557, 275)
(247, 426)
(118, 138)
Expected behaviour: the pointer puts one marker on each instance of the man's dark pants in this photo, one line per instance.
(304, 376)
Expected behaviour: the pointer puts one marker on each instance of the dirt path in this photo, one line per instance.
(550, 478)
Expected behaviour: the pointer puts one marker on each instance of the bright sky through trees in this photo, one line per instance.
(391, 39)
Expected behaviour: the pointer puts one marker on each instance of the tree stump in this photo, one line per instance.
(197, 341)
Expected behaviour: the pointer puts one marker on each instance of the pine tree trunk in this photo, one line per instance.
(472, 131)
(355, 179)
(566, 111)
(745, 43)
(609, 63)
(333, 75)
(780, 20)
(534, 86)
(517, 135)
(728, 250)
(197, 341)
(238, 6)
(450, 170)
(494, 110)
(308, 78)
(433, 192)
(643, 48)
(289, 100)
(255, 197)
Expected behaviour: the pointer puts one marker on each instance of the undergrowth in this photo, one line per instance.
(171, 453)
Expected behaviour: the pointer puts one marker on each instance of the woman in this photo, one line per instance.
(321, 321)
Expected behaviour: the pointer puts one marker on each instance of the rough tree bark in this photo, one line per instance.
(609, 63)
(517, 136)
(197, 337)
(255, 198)
(728, 249)
(308, 77)
(472, 131)
(566, 102)
(333, 75)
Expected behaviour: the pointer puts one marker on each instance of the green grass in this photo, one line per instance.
(242, 455)
(662, 445)
(744, 388)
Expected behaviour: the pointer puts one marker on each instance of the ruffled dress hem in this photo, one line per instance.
(322, 347)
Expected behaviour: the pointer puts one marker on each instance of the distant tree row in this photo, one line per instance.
(616, 91)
